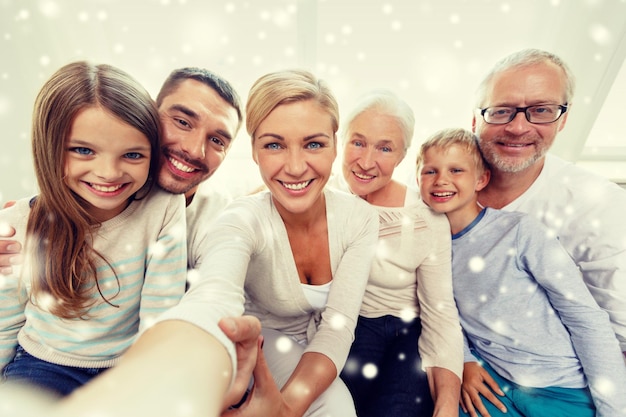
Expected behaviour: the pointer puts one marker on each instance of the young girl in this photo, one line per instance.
(104, 252)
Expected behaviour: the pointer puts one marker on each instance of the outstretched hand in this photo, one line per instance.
(477, 382)
(245, 332)
(265, 399)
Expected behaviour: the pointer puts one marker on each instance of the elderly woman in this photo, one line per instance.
(409, 293)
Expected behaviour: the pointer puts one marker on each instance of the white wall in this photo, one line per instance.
(432, 53)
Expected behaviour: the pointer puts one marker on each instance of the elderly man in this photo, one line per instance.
(522, 105)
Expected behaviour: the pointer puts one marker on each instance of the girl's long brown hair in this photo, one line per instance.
(59, 237)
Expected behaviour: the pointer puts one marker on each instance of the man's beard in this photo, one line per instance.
(510, 164)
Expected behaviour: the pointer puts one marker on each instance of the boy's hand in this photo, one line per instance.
(477, 382)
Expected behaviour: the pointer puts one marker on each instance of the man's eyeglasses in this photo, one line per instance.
(543, 113)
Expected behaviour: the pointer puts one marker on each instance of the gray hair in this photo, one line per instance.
(388, 103)
(524, 58)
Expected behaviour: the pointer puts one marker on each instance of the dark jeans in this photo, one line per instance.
(400, 387)
(56, 379)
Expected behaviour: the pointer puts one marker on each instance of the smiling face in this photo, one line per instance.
(106, 162)
(449, 181)
(519, 144)
(294, 147)
(198, 128)
(374, 146)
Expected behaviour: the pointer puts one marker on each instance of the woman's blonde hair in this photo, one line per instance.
(283, 87)
(59, 238)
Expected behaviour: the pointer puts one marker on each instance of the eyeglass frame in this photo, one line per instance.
(562, 107)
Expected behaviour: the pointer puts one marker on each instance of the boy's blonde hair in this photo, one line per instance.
(445, 138)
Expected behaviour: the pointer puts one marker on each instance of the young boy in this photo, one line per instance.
(545, 346)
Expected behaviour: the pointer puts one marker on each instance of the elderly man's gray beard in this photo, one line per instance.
(510, 165)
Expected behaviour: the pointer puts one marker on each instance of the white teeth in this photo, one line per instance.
(516, 145)
(179, 165)
(296, 186)
(104, 189)
(363, 177)
(448, 194)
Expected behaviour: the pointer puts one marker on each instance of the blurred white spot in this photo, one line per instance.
(369, 371)
(257, 60)
(185, 409)
(4, 104)
(361, 56)
(600, 34)
(45, 301)
(555, 2)
(500, 326)
(7, 36)
(550, 233)
(44, 61)
(192, 276)
(83, 16)
(597, 57)
(265, 15)
(387, 8)
(505, 8)
(289, 51)
(329, 38)
(482, 298)
(346, 30)
(49, 8)
(476, 264)
(605, 386)
(396, 25)
(149, 321)
(458, 44)
(261, 36)
(284, 344)
(5, 229)
(338, 321)
(351, 366)
(118, 48)
(454, 19)
(407, 315)
(102, 15)
(503, 289)
(281, 18)
(22, 15)
(157, 249)
(230, 8)
(401, 356)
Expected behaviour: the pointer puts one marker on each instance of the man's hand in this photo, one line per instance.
(476, 382)
(245, 332)
(9, 249)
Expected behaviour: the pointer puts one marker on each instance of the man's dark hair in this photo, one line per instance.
(212, 80)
